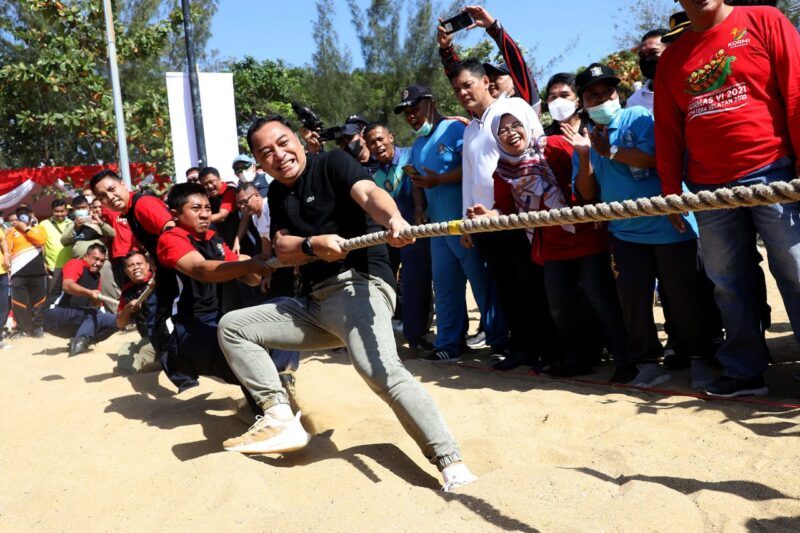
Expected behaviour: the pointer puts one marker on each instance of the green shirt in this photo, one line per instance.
(55, 253)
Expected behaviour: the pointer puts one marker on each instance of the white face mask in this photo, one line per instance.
(561, 109)
(247, 176)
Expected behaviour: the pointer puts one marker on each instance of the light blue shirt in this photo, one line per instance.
(633, 127)
(393, 180)
(441, 151)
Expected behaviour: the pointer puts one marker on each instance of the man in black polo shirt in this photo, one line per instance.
(201, 261)
(315, 202)
(74, 314)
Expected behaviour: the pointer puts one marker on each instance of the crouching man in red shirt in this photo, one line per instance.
(201, 262)
(75, 313)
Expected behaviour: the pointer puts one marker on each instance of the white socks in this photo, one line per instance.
(280, 411)
(456, 475)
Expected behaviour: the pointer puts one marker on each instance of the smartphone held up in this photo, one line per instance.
(457, 23)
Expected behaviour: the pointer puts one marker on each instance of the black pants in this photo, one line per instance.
(636, 267)
(589, 278)
(27, 299)
(520, 287)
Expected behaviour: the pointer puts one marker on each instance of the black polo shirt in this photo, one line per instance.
(319, 203)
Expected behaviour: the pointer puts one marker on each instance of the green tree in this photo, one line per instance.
(55, 95)
(263, 88)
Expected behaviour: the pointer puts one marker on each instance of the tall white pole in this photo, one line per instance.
(124, 165)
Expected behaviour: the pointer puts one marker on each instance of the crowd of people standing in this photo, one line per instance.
(720, 107)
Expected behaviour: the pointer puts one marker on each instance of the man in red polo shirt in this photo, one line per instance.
(729, 105)
(75, 313)
(201, 261)
(147, 217)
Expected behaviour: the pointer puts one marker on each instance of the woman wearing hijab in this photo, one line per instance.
(534, 173)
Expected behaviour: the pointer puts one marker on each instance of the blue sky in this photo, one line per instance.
(282, 29)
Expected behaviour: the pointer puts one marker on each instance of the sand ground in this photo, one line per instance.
(88, 447)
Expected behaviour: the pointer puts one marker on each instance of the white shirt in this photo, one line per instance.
(262, 221)
(642, 97)
(479, 161)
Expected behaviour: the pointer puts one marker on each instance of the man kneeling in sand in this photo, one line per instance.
(75, 313)
(137, 305)
(315, 202)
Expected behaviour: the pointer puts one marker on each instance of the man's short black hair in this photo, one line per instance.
(96, 246)
(474, 67)
(58, 202)
(566, 78)
(101, 175)
(375, 126)
(180, 193)
(132, 253)
(190, 170)
(246, 186)
(79, 200)
(260, 122)
(658, 32)
(205, 171)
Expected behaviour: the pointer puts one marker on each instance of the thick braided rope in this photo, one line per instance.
(778, 192)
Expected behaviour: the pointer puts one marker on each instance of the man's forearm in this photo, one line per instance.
(380, 207)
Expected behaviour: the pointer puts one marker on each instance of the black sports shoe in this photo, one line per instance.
(624, 374)
(727, 387)
(421, 344)
(442, 356)
(38, 333)
(78, 345)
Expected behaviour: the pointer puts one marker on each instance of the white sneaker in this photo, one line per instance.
(269, 435)
(456, 475)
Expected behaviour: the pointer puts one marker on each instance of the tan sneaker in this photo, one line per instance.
(269, 435)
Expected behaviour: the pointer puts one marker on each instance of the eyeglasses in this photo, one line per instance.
(239, 170)
(514, 126)
(243, 203)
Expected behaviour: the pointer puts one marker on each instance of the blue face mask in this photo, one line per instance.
(604, 113)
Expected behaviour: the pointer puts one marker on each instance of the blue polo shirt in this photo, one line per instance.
(441, 151)
(393, 180)
(633, 128)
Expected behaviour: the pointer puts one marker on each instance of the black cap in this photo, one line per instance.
(354, 125)
(23, 208)
(496, 70)
(411, 95)
(678, 23)
(358, 120)
(594, 73)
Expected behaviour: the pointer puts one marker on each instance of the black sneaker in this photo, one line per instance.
(442, 356)
(17, 334)
(38, 333)
(727, 387)
(422, 344)
(624, 374)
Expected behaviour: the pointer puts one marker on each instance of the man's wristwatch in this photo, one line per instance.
(612, 152)
(306, 247)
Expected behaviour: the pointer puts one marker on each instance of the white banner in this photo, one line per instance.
(15, 196)
(219, 122)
